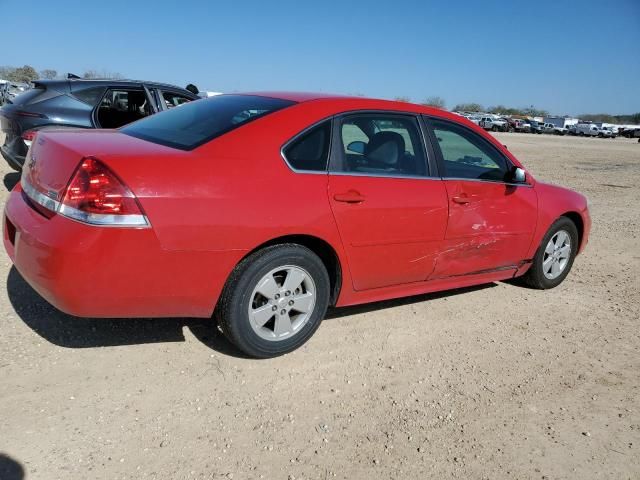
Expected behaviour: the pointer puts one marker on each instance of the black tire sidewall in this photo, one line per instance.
(234, 319)
(563, 223)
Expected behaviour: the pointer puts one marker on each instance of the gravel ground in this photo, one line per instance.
(491, 382)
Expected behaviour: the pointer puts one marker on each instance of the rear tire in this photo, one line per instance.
(550, 264)
(274, 300)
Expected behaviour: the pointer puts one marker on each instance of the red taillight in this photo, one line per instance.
(22, 113)
(96, 195)
(29, 135)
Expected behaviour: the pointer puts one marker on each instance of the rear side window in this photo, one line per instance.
(90, 96)
(192, 124)
(310, 151)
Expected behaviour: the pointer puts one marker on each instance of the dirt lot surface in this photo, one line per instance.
(492, 382)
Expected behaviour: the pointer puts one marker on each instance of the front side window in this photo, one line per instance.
(310, 151)
(381, 144)
(172, 99)
(198, 122)
(467, 155)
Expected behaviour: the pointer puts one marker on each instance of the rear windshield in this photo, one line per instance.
(27, 97)
(192, 124)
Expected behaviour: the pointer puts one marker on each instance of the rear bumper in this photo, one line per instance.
(14, 161)
(92, 271)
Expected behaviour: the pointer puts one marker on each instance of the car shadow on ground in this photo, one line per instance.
(398, 302)
(67, 331)
(10, 469)
(11, 179)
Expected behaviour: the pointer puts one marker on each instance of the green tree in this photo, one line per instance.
(48, 74)
(501, 109)
(24, 74)
(435, 101)
(468, 107)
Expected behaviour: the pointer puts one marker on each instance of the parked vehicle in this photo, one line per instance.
(493, 124)
(80, 104)
(535, 127)
(587, 129)
(3, 87)
(558, 130)
(548, 128)
(630, 132)
(517, 125)
(10, 90)
(474, 119)
(607, 132)
(213, 208)
(571, 130)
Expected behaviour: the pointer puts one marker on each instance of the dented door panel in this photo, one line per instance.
(491, 225)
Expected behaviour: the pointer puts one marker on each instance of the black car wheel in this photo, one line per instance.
(554, 257)
(274, 300)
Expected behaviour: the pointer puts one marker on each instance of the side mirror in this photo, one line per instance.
(357, 147)
(519, 175)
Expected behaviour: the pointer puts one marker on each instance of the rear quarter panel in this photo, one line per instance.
(232, 194)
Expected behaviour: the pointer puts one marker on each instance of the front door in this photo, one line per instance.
(491, 220)
(391, 214)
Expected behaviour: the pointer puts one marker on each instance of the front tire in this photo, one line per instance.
(274, 300)
(554, 258)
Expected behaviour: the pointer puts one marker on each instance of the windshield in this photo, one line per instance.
(192, 124)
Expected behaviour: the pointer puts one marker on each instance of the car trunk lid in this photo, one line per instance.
(56, 154)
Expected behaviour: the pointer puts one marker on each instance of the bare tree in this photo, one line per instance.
(103, 74)
(402, 99)
(434, 101)
(5, 72)
(48, 74)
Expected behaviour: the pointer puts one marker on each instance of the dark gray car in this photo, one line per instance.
(81, 103)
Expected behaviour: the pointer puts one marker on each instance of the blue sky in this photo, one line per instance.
(564, 56)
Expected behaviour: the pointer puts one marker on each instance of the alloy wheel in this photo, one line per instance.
(282, 303)
(556, 255)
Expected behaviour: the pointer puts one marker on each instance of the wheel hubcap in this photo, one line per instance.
(282, 303)
(556, 255)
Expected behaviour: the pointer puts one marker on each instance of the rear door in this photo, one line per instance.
(122, 105)
(491, 220)
(390, 211)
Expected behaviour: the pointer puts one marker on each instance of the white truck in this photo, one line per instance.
(493, 123)
(587, 129)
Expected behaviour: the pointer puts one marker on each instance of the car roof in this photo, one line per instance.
(353, 102)
(345, 104)
(298, 97)
(106, 82)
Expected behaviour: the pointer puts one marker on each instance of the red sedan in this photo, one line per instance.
(261, 210)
